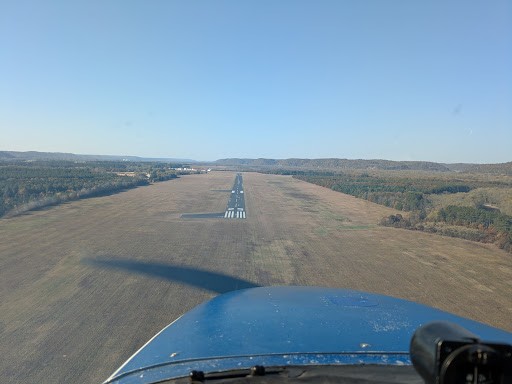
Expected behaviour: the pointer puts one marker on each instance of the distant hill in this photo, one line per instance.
(333, 163)
(330, 164)
(33, 155)
(361, 164)
(497, 169)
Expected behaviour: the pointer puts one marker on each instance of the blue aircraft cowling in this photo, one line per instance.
(276, 326)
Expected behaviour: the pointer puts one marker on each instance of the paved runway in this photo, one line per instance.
(235, 208)
(236, 204)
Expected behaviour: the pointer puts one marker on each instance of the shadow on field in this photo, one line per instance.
(211, 281)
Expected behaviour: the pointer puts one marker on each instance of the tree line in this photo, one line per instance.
(478, 223)
(470, 223)
(31, 185)
(402, 193)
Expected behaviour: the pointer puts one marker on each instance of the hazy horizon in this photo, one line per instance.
(241, 158)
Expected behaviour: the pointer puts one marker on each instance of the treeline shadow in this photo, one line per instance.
(195, 277)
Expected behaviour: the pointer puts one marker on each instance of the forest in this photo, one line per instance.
(28, 185)
(473, 207)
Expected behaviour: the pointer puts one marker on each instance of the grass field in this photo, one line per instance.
(85, 284)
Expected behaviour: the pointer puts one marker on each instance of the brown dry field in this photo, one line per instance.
(85, 284)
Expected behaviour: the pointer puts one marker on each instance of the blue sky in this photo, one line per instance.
(399, 80)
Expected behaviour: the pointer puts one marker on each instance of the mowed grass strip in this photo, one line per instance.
(85, 284)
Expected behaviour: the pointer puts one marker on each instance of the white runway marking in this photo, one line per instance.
(231, 214)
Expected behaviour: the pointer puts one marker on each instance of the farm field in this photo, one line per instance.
(87, 283)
